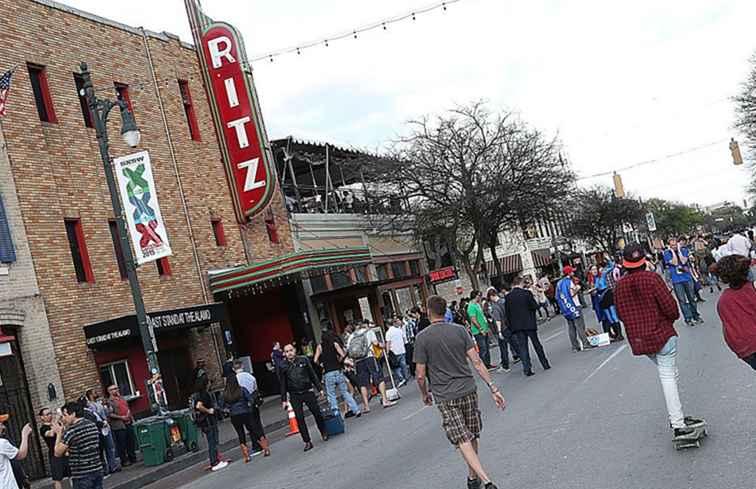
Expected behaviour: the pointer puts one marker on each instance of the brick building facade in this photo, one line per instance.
(60, 186)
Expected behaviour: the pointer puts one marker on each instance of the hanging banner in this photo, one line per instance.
(236, 112)
(140, 206)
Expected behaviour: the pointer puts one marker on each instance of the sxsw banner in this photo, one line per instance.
(139, 200)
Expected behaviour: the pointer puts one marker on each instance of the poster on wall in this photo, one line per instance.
(365, 309)
(144, 222)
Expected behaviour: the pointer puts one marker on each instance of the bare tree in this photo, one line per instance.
(467, 174)
(597, 216)
(745, 119)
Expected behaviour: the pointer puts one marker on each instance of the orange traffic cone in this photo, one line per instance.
(293, 426)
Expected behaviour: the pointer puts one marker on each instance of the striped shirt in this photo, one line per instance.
(83, 442)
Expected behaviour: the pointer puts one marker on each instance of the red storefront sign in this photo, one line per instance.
(238, 121)
(442, 275)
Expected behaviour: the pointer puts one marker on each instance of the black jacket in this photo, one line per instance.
(297, 376)
(521, 309)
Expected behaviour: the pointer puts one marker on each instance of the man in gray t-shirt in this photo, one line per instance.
(444, 351)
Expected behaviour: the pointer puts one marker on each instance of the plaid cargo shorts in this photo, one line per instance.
(461, 419)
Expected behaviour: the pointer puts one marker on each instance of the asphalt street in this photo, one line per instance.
(596, 420)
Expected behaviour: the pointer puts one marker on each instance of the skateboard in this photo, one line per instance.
(695, 441)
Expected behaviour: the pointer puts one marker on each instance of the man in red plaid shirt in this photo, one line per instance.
(649, 311)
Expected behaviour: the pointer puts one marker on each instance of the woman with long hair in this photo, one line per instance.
(239, 401)
(737, 307)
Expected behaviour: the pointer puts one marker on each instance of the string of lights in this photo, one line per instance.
(653, 161)
(354, 33)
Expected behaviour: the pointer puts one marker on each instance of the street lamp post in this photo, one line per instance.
(100, 109)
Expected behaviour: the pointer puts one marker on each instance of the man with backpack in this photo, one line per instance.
(359, 349)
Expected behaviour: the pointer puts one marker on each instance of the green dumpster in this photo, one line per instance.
(189, 433)
(152, 439)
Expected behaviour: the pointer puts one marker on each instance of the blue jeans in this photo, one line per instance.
(333, 380)
(110, 453)
(485, 354)
(211, 433)
(402, 371)
(89, 481)
(666, 364)
(687, 299)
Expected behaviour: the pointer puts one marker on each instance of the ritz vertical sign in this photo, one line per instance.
(236, 113)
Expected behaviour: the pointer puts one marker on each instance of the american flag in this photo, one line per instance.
(4, 89)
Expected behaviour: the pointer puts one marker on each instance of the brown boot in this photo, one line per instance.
(245, 452)
(265, 444)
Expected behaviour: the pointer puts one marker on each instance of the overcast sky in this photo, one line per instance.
(620, 82)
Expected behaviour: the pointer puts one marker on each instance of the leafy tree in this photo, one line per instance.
(674, 218)
(597, 216)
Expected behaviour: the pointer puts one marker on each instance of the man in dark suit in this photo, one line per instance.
(521, 310)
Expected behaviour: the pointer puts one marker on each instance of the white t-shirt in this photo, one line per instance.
(247, 380)
(396, 337)
(7, 453)
(739, 245)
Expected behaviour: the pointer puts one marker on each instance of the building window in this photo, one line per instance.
(7, 250)
(79, 252)
(122, 93)
(382, 272)
(191, 119)
(414, 267)
(318, 284)
(85, 112)
(360, 274)
(118, 373)
(340, 279)
(38, 77)
(398, 268)
(220, 235)
(163, 267)
(117, 249)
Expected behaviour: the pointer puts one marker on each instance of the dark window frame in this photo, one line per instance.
(163, 267)
(122, 92)
(191, 117)
(218, 232)
(79, 253)
(118, 249)
(86, 113)
(41, 91)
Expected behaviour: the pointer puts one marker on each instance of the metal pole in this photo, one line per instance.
(100, 108)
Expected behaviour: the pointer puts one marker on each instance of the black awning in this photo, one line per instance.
(162, 321)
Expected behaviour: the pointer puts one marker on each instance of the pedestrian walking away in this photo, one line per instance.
(9, 454)
(121, 423)
(677, 261)
(248, 381)
(646, 306)
(566, 295)
(238, 400)
(501, 329)
(360, 349)
(737, 307)
(395, 342)
(58, 465)
(520, 310)
(444, 352)
(207, 421)
(298, 379)
(479, 327)
(80, 438)
(331, 355)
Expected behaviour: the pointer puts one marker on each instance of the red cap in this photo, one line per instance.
(568, 270)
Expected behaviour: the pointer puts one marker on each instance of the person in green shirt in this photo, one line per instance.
(479, 327)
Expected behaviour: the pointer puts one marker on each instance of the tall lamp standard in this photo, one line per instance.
(100, 109)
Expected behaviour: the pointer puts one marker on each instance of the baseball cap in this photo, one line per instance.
(4, 418)
(568, 270)
(634, 256)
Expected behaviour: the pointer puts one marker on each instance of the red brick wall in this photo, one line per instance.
(58, 172)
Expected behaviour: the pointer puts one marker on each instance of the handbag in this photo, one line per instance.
(257, 399)
(393, 360)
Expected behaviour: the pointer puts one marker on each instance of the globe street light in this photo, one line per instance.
(100, 109)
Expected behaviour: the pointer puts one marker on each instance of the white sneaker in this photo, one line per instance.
(219, 466)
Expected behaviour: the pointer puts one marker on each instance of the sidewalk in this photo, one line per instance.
(137, 476)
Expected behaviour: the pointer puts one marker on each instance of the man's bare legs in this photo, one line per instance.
(366, 399)
(469, 452)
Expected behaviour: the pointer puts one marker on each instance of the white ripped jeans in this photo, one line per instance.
(666, 364)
